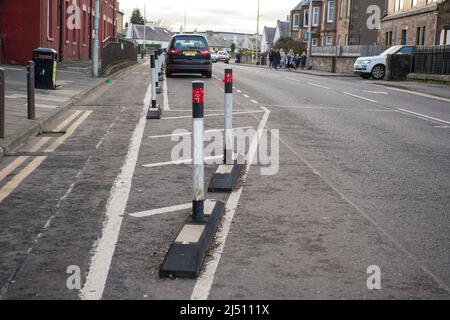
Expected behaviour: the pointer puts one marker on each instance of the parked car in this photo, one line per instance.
(375, 66)
(223, 56)
(213, 56)
(189, 53)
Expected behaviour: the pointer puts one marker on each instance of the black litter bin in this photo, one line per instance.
(45, 60)
(238, 58)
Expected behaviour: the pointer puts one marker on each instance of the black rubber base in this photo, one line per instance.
(225, 182)
(154, 114)
(158, 90)
(185, 260)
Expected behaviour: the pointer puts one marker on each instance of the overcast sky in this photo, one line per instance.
(217, 15)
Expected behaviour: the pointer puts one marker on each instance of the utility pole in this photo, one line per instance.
(257, 36)
(185, 18)
(145, 27)
(96, 46)
(310, 19)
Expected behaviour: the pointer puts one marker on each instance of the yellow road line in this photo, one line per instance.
(69, 132)
(11, 185)
(16, 163)
(63, 124)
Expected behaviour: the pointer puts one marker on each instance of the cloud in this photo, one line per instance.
(232, 15)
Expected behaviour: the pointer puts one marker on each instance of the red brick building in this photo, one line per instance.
(63, 25)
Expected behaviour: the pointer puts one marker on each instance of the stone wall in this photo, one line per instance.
(333, 64)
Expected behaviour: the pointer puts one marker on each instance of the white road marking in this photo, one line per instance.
(204, 282)
(178, 162)
(68, 120)
(105, 247)
(39, 97)
(247, 96)
(155, 212)
(318, 85)
(239, 91)
(165, 96)
(190, 133)
(213, 115)
(254, 101)
(425, 95)
(422, 116)
(13, 69)
(377, 92)
(359, 97)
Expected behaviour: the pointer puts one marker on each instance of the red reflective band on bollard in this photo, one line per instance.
(198, 95)
(228, 78)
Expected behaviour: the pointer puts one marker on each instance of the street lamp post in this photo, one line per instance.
(96, 46)
(257, 36)
(310, 20)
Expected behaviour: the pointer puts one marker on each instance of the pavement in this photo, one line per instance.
(73, 80)
(362, 182)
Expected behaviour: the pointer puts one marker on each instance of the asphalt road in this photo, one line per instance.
(363, 180)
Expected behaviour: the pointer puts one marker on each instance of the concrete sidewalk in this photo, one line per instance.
(73, 80)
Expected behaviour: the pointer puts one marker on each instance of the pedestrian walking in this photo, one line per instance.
(271, 58)
(303, 60)
(277, 60)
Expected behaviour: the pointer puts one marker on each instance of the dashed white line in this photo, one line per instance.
(239, 91)
(178, 162)
(318, 85)
(204, 282)
(212, 115)
(247, 96)
(254, 101)
(376, 92)
(425, 95)
(422, 116)
(155, 212)
(359, 97)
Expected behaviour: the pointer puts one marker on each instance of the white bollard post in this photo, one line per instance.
(198, 164)
(154, 76)
(158, 89)
(228, 132)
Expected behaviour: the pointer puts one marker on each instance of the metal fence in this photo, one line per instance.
(116, 51)
(349, 51)
(432, 60)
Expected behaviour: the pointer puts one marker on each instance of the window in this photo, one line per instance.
(388, 38)
(295, 22)
(85, 27)
(404, 37)
(64, 23)
(330, 13)
(420, 36)
(315, 17)
(406, 50)
(314, 42)
(329, 41)
(306, 18)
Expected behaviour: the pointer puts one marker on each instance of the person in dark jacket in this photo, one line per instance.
(277, 60)
(271, 58)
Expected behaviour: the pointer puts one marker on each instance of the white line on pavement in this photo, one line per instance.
(190, 133)
(377, 92)
(318, 85)
(204, 282)
(422, 116)
(254, 101)
(359, 97)
(239, 91)
(178, 162)
(425, 95)
(155, 212)
(212, 115)
(115, 209)
(247, 96)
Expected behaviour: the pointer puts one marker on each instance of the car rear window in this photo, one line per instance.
(189, 42)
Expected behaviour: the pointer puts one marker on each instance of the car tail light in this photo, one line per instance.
(205, 52)
(174, 51)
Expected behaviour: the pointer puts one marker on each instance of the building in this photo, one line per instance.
(267, 39)
(337, 22)
(282, 30)
(150, 35)
(63, 25)
(219, 40)
(416, 22)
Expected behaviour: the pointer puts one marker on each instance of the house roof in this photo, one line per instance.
(284, 27)
(299, 6)
(151, 32)
(270, 33)
(225, 39)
